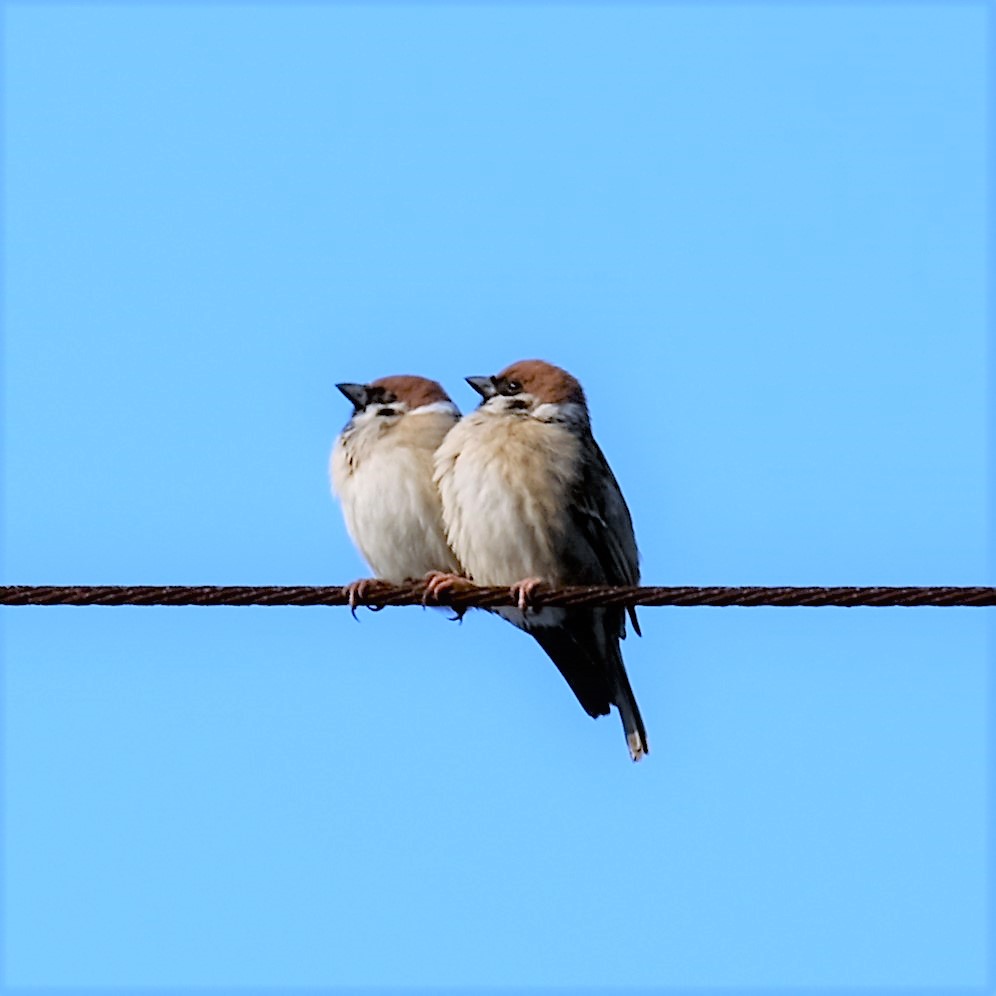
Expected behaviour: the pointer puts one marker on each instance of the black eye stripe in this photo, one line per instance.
(380, 396)
(508, 388)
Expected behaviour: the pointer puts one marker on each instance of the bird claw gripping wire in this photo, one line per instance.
(523, 591)
(358, 591)
(442, 583)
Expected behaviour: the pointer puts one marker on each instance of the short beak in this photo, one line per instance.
(485, 386)
(357, 394)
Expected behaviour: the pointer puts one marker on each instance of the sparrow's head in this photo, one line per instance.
(389, 399)
(533, 388)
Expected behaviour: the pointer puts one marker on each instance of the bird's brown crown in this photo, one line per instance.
(545, 382)
(414, 391)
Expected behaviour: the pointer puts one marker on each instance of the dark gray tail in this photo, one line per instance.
(586, 652)
(629, 711)
(588, 680)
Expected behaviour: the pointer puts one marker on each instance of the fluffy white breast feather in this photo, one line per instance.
(505, 482)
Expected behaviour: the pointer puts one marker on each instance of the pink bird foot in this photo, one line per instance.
(361, 589)
(440, 582)
(523, 591)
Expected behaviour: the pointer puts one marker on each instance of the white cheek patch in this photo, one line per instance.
(440, 407)
(519, 404)
(372, 413)
(567, 411)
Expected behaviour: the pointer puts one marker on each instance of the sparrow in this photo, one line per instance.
(381, 469)
(529, 498)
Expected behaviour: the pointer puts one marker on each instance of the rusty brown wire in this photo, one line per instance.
(379, 594)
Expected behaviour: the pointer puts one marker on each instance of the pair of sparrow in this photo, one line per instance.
(516, 493)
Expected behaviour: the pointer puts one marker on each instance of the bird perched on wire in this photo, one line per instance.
(381, 469)
(529, 498)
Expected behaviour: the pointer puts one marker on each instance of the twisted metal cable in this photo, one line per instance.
(380, 594)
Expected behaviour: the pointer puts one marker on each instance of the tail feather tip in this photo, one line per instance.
(638, 747)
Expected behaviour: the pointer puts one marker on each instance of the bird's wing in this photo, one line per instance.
(601, 517)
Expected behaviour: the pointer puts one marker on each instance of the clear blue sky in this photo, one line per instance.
(756, 233)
